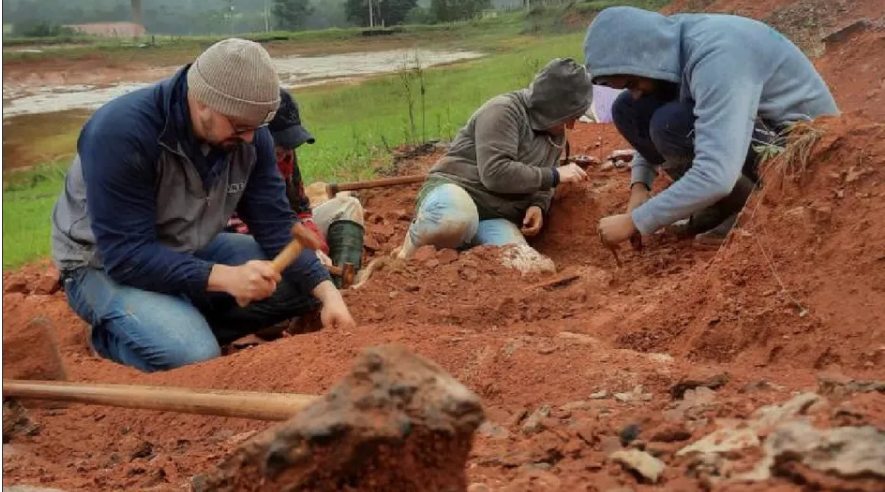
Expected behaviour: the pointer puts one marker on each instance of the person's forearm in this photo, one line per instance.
(326, 292)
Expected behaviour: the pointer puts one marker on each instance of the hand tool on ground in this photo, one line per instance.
(333, 188)
(302, 237)
(223, 403)
(636, 242)
(612, 248)
(346, 272)
(560, 281)
(584, 161)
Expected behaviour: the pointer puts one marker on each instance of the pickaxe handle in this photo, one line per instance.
(334, 188)
(222, 403)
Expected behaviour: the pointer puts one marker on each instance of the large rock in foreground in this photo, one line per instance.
(397, 422)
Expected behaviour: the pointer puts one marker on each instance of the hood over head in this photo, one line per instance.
(632, 41)
(561, 92)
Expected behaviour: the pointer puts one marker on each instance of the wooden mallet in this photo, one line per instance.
(302, 237)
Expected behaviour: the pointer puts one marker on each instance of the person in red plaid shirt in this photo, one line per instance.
(337, 222)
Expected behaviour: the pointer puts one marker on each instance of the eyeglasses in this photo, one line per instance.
(241, 130)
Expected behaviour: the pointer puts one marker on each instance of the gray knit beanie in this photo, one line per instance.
(236, 78)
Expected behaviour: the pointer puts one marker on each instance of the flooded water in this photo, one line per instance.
(294, 71)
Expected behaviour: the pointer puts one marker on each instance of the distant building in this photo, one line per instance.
(110, 29)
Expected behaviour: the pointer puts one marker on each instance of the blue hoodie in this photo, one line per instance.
(732, 69)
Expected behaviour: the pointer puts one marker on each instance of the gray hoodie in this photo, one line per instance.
(732, 69)
(504, 157)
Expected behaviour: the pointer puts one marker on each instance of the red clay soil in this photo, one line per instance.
(565, 373)
(520, 346)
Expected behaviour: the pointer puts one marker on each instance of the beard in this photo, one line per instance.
(229, 144)
(210, 129)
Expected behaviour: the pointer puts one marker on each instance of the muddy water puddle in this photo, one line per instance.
(294, 71)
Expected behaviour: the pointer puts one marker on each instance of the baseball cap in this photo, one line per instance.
(286, 127)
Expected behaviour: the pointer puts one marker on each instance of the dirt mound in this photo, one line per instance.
(803, 279)
(854, 68)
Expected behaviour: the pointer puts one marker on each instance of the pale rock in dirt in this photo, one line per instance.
(478, 487)
(761, 385)
(646, 465)
(624, 397)
(576, 405)
(694, 403)
(599, 395)
(578, 338)
(534, 423)
(660, 358)
(493, 430)
(716, 381)
(845, 452)
(526, 259)
(771, 415)
(840, 385)
(722, 441)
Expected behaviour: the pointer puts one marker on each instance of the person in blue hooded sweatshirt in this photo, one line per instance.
(702, 90)
(137, 231)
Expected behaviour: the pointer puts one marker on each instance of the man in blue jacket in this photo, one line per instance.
(137, 231)
(702, 91)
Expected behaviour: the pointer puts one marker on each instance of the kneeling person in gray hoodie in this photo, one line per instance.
(495, 183)
(703, 92)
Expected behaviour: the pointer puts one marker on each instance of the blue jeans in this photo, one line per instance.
(152, 331)
(448, 218)
(663, 132)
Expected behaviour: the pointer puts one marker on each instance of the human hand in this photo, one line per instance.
(334, 312)
(534, 219)
(571, 173)
(639, 194)
(252, 281)
(616, 229)
(336, 315)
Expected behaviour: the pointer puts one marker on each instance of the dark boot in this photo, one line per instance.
(345, 240)
(717, 235)
(717, 219)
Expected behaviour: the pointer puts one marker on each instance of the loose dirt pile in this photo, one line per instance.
(597, 377)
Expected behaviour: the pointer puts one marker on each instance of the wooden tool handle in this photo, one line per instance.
(289, 254)
(333, 188)
(222, 403)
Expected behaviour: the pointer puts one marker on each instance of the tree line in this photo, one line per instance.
(194, 17)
